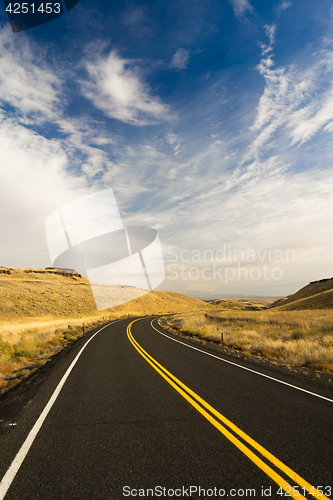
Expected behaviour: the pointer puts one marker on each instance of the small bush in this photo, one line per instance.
(269, 353)
(6, 368)
(23, 352)
(247, 355)
(41, 362)
(319, 366)
(3, 383)
(69, 336)
(298, 334)
(5, 348)
(54, 342)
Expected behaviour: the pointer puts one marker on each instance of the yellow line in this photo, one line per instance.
(270, 472)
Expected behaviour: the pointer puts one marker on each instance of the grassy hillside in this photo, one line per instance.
(323, 300)
(42, 310)
(45, 299)
(32, 293)
(159, 302)
(315, 295)
(257, 301)
(237, 304)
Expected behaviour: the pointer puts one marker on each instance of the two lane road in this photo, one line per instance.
(141, 414)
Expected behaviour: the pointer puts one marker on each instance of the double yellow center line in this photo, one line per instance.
(215, 418)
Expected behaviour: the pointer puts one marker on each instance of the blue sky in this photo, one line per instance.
(211, 120)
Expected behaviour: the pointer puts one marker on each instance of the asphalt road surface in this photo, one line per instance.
(134, 412)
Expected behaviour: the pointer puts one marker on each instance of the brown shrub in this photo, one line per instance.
(3, 383)
(317, 365)
(269, 353)
(54, 342)
(6, 368)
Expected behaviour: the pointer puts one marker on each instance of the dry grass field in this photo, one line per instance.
(315, 295)
(256, 301)
(37, 307)
(300, 338)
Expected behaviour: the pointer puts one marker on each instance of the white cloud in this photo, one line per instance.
(26, 81)
(34, 89)
(241, 6)
(135, 17)
(283, 6)
(174, 141)
(266, 63)
(80, 144)
(307, 121)
(261, 205)
(266, 49)
(116, 89)
(33, 183)
(270, 32)
(180, 59)
(296, 104)
(38, 174)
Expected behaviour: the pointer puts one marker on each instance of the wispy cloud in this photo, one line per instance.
(296, 104)
(137, 21)
(135, 17)
(174, 142)
(270, 32)
(27, 82)
(180, 59)
(241, 7)
(284, 5)
(262, 205)
(116, 88)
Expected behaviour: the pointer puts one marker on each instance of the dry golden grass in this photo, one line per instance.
(30, 347)
(322, 300)
(159, 302)
(36, 308)
(238, 304)
(30, 294)
(303, 338)
(315, 295)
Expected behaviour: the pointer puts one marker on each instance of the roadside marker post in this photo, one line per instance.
(222, 337)
(83, 328)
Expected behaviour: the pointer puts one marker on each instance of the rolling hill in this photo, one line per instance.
(36, 293)
(315, 295)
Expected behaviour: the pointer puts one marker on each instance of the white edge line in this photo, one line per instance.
(17, 462)
(240, 366)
